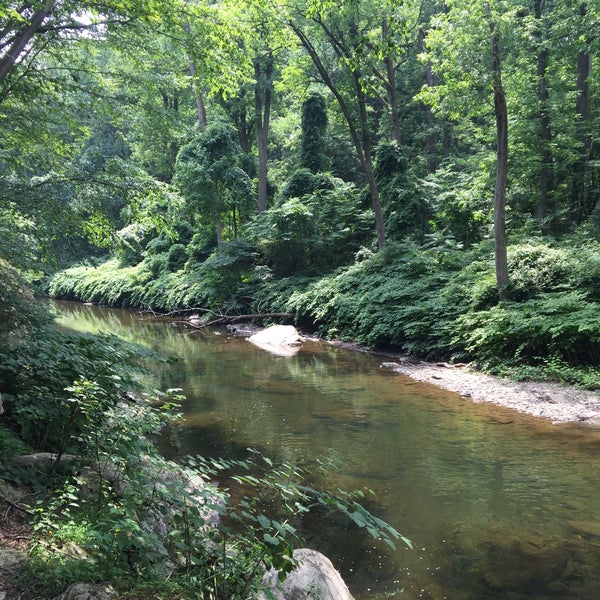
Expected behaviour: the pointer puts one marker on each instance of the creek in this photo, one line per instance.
(498, 505)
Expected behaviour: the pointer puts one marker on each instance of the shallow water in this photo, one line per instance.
(497, 504)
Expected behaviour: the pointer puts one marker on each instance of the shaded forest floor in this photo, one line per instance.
(15, 536)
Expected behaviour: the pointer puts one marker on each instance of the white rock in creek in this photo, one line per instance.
(283, 340)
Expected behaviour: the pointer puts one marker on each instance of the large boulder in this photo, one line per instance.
(313, 577)
(283, 340)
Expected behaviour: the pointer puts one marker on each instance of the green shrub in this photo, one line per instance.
(36, 371)
(586, 273)
(304, 182)
(158, 245)
(562, 325)
(536, 269)
(176, 257)
(109, 283)
(315, 233)
(19, 311)
(157, 264)
(11, 445)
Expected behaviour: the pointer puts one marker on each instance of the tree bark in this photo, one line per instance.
(501, 116)
(580, 204)
(546, 158)
(431, 139)
(392, 93)
(22, 38)
(263, 72)
(200, 106)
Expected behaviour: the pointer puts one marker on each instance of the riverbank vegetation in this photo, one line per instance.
(78, 459)
(422, 175)
(340, 165)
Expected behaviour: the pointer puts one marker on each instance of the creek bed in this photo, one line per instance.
(498, 505)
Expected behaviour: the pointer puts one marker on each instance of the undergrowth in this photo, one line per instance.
(435, 301)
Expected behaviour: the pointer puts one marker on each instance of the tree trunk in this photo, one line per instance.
(392, 93)
(367, 153)
(22, 38)
(263, 71)
(546, 158)
(584, 63)
(501, 115)
(431, 139)
(200, 106)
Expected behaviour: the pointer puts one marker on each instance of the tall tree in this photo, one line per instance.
(465, 46)
(29, 29)
(582, 203)
(209, 175)
(339, 70)
(501, 117)
(263, 97)
(545, 136)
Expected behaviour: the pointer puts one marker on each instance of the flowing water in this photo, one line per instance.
(498, 505)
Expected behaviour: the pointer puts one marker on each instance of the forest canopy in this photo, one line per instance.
(396, 172)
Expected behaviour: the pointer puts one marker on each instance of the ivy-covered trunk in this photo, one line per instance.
(501, 115)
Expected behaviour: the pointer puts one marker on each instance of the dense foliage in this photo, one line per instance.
(307, 139)
(423, 175)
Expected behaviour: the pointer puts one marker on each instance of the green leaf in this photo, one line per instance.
(264, 521)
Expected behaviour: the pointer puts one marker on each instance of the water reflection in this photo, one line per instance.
(498, 505)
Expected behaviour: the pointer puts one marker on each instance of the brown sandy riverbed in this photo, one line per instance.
(556, 402)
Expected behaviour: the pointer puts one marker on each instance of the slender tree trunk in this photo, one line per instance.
(200, 106)
(22, 38)
(584, 67)
(244, 130)
(390, 86)
(546, 158)
(367, 154)
(501, 115)
(263, 71)
(219, 232)
(431, 139)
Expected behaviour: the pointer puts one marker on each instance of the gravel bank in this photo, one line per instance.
(556, 402)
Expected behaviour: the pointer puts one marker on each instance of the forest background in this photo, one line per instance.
(417, 174)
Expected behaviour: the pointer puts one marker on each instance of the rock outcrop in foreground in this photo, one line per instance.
(314, 577)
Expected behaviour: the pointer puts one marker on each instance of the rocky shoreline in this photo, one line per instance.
(556, 402)
(552, 401)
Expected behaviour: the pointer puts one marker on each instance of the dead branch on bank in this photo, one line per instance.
(221, 319)
(210, 317)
